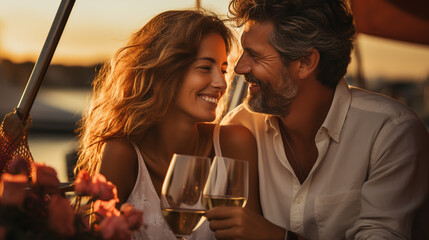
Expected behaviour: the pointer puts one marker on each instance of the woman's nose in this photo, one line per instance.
(219, 81)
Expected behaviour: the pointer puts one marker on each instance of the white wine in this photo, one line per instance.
(182, 221)
(224, 201)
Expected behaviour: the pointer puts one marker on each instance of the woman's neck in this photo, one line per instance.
(168, 137)
(163, 140)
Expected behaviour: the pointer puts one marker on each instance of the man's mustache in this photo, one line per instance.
(250, 78)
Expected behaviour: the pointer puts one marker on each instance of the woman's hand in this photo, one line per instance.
(242, 223)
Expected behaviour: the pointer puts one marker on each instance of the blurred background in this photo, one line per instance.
(383, 62)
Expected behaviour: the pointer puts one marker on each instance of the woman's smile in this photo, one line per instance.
(212, 100)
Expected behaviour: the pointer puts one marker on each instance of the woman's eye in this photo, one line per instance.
(205, 68)
(224, 71)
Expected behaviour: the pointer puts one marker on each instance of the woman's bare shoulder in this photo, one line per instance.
(230, 134)
(118, 153)
(118, 147)
(236, 133)
(237, 141)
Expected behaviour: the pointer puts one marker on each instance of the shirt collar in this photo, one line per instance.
(270, 123)
(336, 116)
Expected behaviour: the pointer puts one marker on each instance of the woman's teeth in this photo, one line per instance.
(209, 99)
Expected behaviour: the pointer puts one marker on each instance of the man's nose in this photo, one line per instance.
(242, 66)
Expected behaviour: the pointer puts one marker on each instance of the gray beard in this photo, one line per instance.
(272, 102)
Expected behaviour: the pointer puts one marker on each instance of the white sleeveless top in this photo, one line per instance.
(145, 198)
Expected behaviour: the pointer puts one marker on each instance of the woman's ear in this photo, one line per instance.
(308, 64)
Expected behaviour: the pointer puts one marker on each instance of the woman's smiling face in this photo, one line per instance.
(204, 83)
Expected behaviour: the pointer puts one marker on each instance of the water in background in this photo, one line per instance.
(58, 106)
(52, 150)
(55, 113)
(52, 137)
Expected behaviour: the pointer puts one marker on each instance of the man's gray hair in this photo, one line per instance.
(300, 25)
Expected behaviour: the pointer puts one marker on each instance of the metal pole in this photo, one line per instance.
(45, 57)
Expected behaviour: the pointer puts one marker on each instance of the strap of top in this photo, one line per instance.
(216, 144)
(136, 149)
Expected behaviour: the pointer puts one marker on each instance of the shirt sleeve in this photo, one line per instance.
(396, 184)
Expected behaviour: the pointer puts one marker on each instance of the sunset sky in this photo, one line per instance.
(97, 28)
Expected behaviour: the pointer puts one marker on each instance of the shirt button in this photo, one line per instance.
(298, 200)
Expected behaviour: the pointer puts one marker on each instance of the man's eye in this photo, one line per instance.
(254, 57)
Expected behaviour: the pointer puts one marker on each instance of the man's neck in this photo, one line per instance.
(308, 111)
(299, 128)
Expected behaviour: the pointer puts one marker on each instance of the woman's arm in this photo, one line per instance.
(119, 165)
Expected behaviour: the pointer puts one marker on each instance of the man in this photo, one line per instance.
(335, 162)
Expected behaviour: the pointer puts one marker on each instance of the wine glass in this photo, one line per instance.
(227, 184)
(181, 195)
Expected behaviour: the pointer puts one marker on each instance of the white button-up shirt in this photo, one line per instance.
(370, 175)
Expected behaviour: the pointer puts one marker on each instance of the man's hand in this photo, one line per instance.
(242, 223)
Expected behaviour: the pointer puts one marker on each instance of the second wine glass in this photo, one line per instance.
(227, 184)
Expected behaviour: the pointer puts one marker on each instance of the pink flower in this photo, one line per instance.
(61, 216)
(115, 228)
(103, 189)
(83, 183)
(13, 189)
(106, 208)
(133, 217)
(44, 176)
(96, 186)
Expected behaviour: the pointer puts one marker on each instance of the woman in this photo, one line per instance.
(154, 99)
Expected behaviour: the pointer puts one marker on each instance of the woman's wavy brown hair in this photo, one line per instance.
(139, 84)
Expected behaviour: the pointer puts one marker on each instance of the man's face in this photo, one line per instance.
(271, 88)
